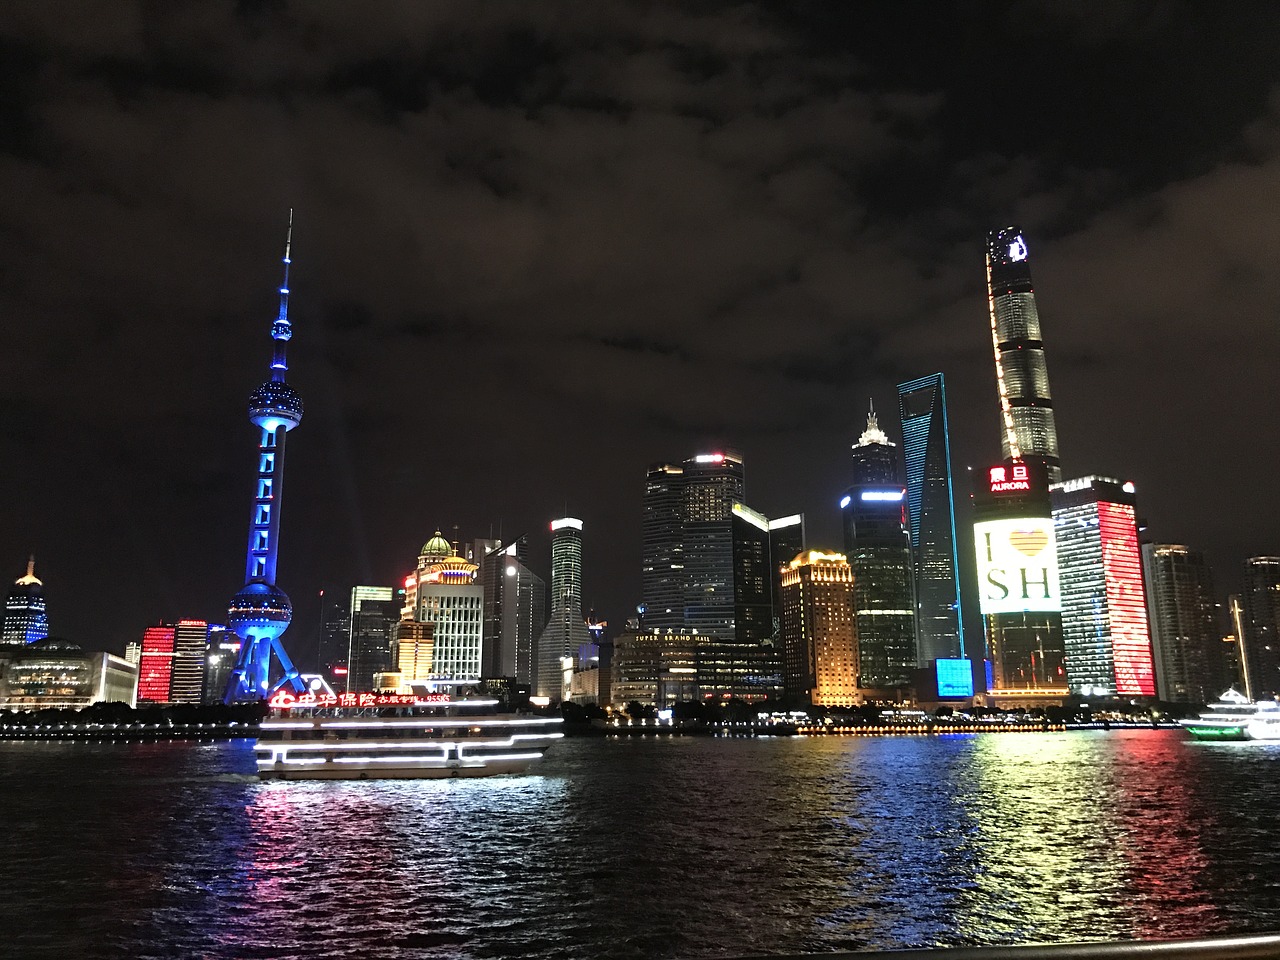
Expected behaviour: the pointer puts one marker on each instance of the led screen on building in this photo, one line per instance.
(955, 677)
(1017, 565)
(1126, 601)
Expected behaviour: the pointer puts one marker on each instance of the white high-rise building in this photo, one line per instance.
(566, 629)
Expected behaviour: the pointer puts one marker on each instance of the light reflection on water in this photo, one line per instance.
(645, 848)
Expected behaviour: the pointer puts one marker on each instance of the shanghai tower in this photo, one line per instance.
(1028, 430)
(261, 611)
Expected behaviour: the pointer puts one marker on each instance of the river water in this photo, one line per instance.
(630, 848)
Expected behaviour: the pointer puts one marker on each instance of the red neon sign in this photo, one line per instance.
(284, 700)
(1009, 479)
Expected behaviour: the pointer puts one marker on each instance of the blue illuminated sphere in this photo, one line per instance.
(259, 610)
(275, 404)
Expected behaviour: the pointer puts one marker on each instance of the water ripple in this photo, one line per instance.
(643, 848)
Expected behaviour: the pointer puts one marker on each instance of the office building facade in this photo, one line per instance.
(26, 617)
(53, 674)
(566, 629)
(1028, 430)
(1018, 588)
(515, 612)
(926, 447)
(374, 610)
(710, 570)
(1104, 605)
(1185, 638)
(877, 545)
(1259, 618)
(819, 632)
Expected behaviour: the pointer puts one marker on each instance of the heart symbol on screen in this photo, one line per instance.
(1029, 543)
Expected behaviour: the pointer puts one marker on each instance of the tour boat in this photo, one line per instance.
(1236, 717)
(370, 736)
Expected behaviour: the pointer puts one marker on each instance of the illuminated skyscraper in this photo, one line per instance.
(1185, 637)
(374, 610)
(190, 647)
(713, 483)
(25, 617)
(750, 665)
(1259, 625)
(155, 669)
(515, 611)
(1104, 608)
(710, 571)
(566, 629)
(1018, 588)
(926, 446)
(662, 576)
(1028, 431)
(878, 548)
(261, 611)
(819, 638)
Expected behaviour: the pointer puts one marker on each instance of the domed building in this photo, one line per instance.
(434, 550)
(25, 618)
(443, 592)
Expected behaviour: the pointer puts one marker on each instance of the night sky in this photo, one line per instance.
(539, 246)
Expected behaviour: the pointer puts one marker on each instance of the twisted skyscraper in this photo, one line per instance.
(261, 611)
(1028, 430)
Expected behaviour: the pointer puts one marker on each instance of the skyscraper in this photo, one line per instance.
(878, 549)
(374, 610)
(449, 597)
(335, 624)
(710, 572)
(515, 611)
(1018, 591)
(1260, 620)
(662, 574)
(926, 445)
(155, 668)
(190, 647)
(1028, 431)
(1104, 608)
(25, 617)
(261, 611)
(566, 629)
(749, 665)
(819, 636)
(713, 483)
(1185, 637)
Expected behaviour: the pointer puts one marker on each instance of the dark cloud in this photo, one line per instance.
(539, 246)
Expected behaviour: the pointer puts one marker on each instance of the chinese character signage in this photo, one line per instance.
(1011, 478)
(284, 700)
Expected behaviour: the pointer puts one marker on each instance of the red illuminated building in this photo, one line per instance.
(1104, 610)
(155, 669)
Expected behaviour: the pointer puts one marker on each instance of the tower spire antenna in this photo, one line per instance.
(873, 433)
(261, 611)
(282, 329)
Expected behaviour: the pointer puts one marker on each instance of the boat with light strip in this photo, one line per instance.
(1236, 717)
(364, 736)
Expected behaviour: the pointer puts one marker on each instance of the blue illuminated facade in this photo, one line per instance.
(926, 446)
(261, 611)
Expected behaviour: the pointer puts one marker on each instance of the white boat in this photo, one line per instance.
(1236, 717)
(377, 736)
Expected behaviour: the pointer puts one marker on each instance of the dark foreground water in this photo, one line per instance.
(642, 848)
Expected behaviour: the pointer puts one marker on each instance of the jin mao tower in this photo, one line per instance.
(261, 611)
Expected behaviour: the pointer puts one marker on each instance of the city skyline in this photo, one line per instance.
(454, 336)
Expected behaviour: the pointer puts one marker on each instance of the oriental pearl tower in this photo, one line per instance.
(261, 611)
